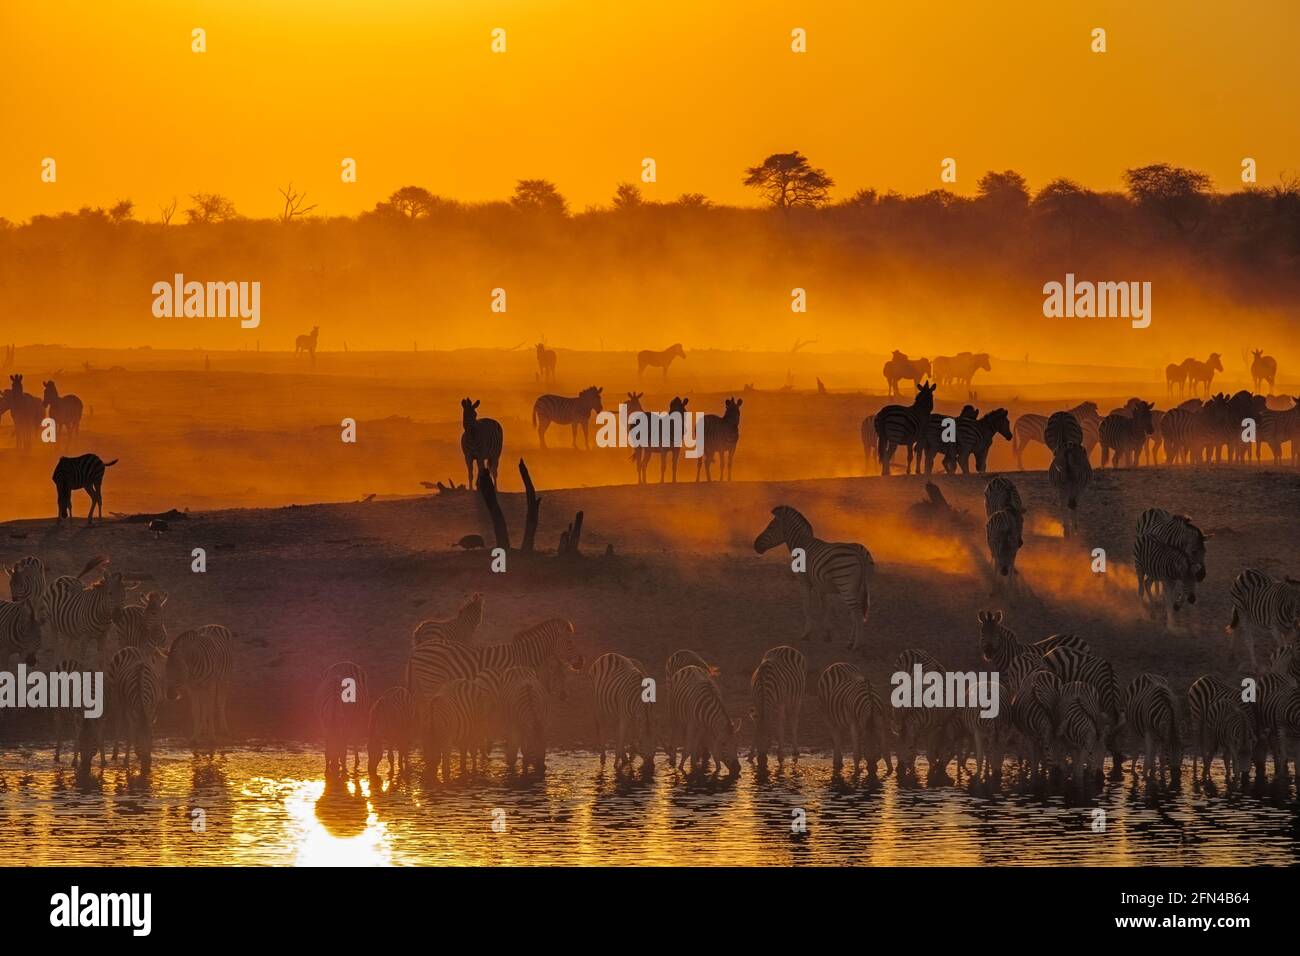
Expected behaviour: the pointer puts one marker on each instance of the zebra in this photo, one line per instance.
(720, 436)
(830, 567)
(776, 691)
(1004, 532)
(1034, 696)
(1263, 368)
(1176, 374)
(480, 441)
(900, 367)
(931, 440)
(1202, 372)
(117, 719)
(83, 472)
(141, 625)
(1178, 434)
(81, 616)
(140, 692)
(854, 711)
(1081, 727)
(1223, 731)
(619, 696)
(975, 436)
(524, 704)
(1070, 664)
(1030, 428)
(1001, 494)
(1278, 428)
(1227, 729)
(199, 662)
(685, 658)
(1151, 714)
(642, 455)
(1286, 660)
(1000, 647)
(1177, 531)
(460, 628)
(1123, 436)
(21, 625)
(1279, 721)
(1168, 566)
(697, 707)
(1070, 474)
(546, 363)
(1261, 604)
(1062, 427)
(27, 412)
(921, 728)
(963, 366)
(307, 344)
(72, 721)
(342, 706)
(868, 432)
(64, 409)
(451, 720)
(567, 411)
(26, 578)
(392, 727)
(897, 425)
(652, 359)
(546, 647)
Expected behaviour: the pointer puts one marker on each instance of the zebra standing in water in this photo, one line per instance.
(140, 692)
(1261, 604)
(546, 647)
(392, 727)
(1070, 664)
(342, 704)
(1070, 474)
(776, 690)
(1124, 437)
(720, 437)
(854, 711)
(83, 472)
(1150, 712)
(480, 441)
(831, 567)
(652, 359)
(618, 688)
(1218, 720)
(898, 426)
(560, 410)
(460, 628)
(524, 706)
(452, 720)
(199, 663)
(1081, 728)
(697, 706)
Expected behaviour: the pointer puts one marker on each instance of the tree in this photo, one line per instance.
(1175, 194)
(539, 196)
(1006, 191)
(293, 205)
(411, 202)
(694, 200)
(166, 212)
(121, 210)
(211, 207)
(788, 179)
(627, 196)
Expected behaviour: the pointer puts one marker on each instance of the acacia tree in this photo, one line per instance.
(411, 202)
(1006, 191)
(539, 195)
(293, 205)
(211, 207)
(788, 179)
(1178, 195)
(627, 196)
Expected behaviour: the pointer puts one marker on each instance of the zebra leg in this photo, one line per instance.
(542, 425)
(574, 429)
(806, 594)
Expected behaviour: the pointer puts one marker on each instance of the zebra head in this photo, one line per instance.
(982, 361)
(591, 396)
(787, 527)
(925, 396)
(677, 350)
(469, 412)
(1214, 362)
(991, 634)
(1000, 421)
(678, 404)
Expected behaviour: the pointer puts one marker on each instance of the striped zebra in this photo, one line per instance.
(1124, 436)
(26, 578)
(1158, 563)
(1070, 665)
(666, 451)
(830, 567)
(1286, 660)
(685, 658)
(1179, 434)
(116, 718)
(64, 409)
(1004, 532)
(85, 472)
(931, 441)
(546, 359)
(546, 647)
(1062, 427)
(560, 410)
(342, 706)
(1030, 428)
(868, 433)
(71, 721)
(776, 691)
(1070, 473)
(1000, 647)
(901, 426)
(649, 358)
(975, 437)
(1276, 428)
(481, 440)
(1001, 494)
(620, 700)
(524, 704)
(1034, 698)
(391, 729)
(21, 625)
(1260, 604)
(1279, 721)
(199, 662)
(697, 707)
(1219, 731)
(460, 628)
(81, 616)
(920, 729)
(720, 437)
(1198, 373)
(141, 625)
(1177, 531)
(856, 714)
(140, 692)
(451, 720)
(1150, 713)
(1081, 727)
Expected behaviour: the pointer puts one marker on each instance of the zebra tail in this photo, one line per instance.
(866, 592)
(110, 464)
(1234, 623)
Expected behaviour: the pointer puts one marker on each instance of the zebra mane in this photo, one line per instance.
(791, 517)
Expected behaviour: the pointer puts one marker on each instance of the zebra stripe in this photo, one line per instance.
(1279, 720)
(142, 625)
(975, 437)
(20, 630)
(685, 658)
(920, 729)
(1031, 428)
(776, 691)
(26, 579)
(82, 615)
(1179, 433)
(1000, 647)
(1033, 714)
(832, 567)
(560, 410)
(480, 441)
(199, 663)
(392, 727)
(1071, 665)
(1070, 474)
(1278, 428)
(1262, 604)
(721, 436)
(1124, 436)
(1062, 428)
(1227, 729)
(525, 709)
(140, 693)
(1151, 714)
(854, 710)
(1080, 727)
(618, 689)
(1001, 494)
(697, 705)
(460, 628)
(1168, 566)
(901, 426)
(546, 647)
(1176, 531)
(451, 720)
(1004, 533)
(342, 705)
(75, 474)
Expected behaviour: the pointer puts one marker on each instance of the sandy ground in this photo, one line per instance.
(303, 587)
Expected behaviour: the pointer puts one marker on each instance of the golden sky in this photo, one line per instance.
(587, 88)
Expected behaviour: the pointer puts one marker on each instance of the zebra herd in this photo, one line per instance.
(29, 412)
(92, 628)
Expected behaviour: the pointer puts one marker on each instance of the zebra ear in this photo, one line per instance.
(476, 403)
(997, 617)
(982, 617)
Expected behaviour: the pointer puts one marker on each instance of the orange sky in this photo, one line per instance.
(411, 90)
